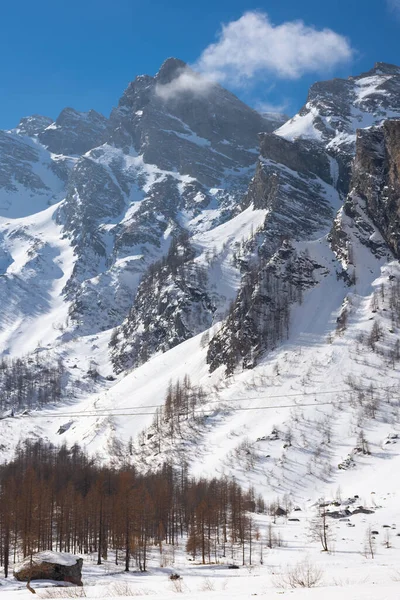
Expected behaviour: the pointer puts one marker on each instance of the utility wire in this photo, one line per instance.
(111, 412)
(219, 400)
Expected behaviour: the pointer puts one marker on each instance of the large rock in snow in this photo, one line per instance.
(57, 566)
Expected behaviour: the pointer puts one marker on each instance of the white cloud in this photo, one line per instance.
(252, 44)
(252, 47)
(188, 80)
(394, 5)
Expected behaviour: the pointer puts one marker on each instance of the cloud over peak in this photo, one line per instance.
(252, 47)
(253, 44)
(185, 80)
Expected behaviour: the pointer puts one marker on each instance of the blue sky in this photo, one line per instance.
(83, 53)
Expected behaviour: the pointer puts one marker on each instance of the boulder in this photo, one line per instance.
(57, 566)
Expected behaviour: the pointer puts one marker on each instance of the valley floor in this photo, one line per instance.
(345, 573)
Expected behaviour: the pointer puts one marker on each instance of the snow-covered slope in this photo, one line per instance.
(37, 261)
(301, 391)
(257, 326)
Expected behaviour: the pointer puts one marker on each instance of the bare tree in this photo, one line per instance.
(369, 544)
(319, 529)
(302, 575)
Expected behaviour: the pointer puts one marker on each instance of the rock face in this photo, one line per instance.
(376, 181)
(75, 132)
(56, 566)
(259, 318)
(293, 181)
(370, 213)
(172, 304)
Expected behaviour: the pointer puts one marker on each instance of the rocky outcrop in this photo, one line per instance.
(259, 319)
(297, 155)
(376, 179)
(369, 217)
(75, 132)
(55, 566)
(293, 182)
(33, 125)
(172, 304)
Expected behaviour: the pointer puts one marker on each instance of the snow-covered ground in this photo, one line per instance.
(347, 572)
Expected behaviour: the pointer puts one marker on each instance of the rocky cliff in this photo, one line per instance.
(375, 181)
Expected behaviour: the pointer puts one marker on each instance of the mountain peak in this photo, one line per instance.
(386, 68)
(33, 124)
(69, 115)
(170, 69)
(380, 68)
(75, 132)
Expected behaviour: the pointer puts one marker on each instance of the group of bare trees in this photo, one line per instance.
(29, 382)
(181, 408)
(54, 498)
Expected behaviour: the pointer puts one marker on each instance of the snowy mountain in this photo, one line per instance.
(172, 163)
(335, 109)
(184, 283)
(122, 188)
(185, 236)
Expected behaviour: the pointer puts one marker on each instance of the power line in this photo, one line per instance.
(220, 400)
(111, 412)
(139, 414)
